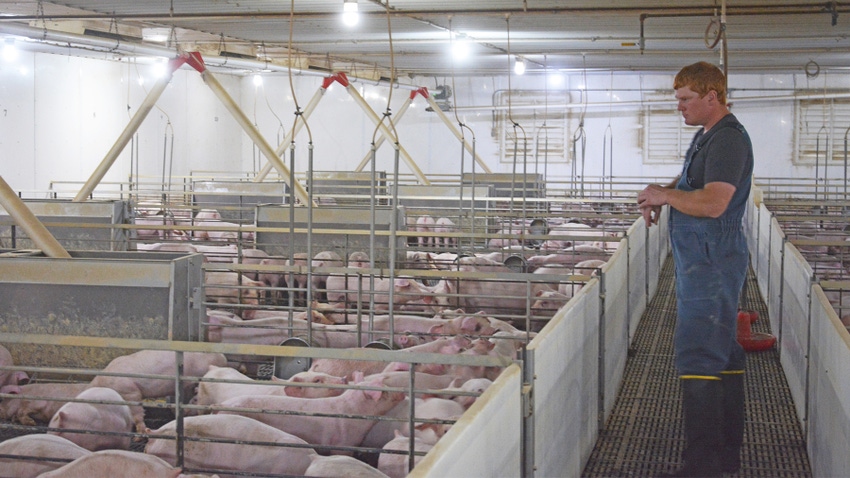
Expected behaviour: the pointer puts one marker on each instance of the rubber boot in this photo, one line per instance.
(733, 421)
(702, 410)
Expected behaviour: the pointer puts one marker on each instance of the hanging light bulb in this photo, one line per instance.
(460, 47)
(519, 66)
(10, 51)
(350, 15)
(258, 80)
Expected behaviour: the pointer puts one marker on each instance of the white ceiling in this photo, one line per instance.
(620, 35)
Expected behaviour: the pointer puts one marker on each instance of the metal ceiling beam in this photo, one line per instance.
(792, 9)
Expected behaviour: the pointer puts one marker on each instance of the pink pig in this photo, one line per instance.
(94, 417)
(39, 445)
(318, 430)
(259, 459)
(115, 464)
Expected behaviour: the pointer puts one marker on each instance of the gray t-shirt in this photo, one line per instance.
(721, 155)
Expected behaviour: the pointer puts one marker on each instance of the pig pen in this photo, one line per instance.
(97, 293)
(175, 409)
(281, 230)
(92, 225)
(800, 293)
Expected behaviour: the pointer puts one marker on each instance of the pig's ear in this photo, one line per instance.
(20, 376)
(11, 389)
(373, 394)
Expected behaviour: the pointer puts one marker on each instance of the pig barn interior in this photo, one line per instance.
(401, 238)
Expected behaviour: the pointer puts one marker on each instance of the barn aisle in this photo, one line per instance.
(643, 436)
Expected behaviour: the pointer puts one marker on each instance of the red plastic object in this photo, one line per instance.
(752, 341)
(753, 314)
(757, 342)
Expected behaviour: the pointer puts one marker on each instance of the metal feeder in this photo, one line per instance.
(382, 344)
(286, 367)
(516, 263)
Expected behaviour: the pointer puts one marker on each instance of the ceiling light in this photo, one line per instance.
(556, 80)
(258, 80)
(460, 47)
(519, 66)
(155, 34)
(10, 51)
(350, 15)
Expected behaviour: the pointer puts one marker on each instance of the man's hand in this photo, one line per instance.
(650, 201)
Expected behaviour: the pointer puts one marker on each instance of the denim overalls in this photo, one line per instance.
(711, 259)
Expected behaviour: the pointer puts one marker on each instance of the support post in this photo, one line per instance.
(196, 62)
(314, 101)
(456, 132)
(23, 217)
(343, 80)
(136, 121)
(381, 140)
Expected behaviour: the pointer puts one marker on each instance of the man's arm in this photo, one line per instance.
(711, 201)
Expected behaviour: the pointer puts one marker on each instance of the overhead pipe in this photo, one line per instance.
(134, 124)
(70, 40)
(23, 217)
(343, 80)
(195, 61)
(287, 140)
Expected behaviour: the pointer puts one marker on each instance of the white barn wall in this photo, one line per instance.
(62, 115)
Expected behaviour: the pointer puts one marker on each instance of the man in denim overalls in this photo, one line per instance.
(707, 202)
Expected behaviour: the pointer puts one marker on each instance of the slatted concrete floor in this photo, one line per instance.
(643, 436)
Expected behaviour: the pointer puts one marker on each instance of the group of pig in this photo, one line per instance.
(830, 260)
(206, 225)
(310, 424)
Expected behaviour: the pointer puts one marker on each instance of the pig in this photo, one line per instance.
(233, 288)
(218, 254)
(342, 291)
(425, 224)
(547, 303)
(115, 464)
(168, 247)
(29, 409)
(319, 281)
(98, 417)
(442, 227)
(572, 231)
(425, 410)
(396, 465)
(163, 233)
(153, 362)
(341, 466)
(318, 430)
(237, 457)
(9, 377)
(315, 378)
(589, 267)
(211, 393)
(475, 386)
(359, 260)
(58, 450)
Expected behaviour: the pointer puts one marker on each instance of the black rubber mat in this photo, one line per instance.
(643, 436)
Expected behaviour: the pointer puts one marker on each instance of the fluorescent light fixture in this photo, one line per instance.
(556, 80)
(519, 66)
(10, 51)
(159, 69)
(155, 34)
(350, 15)
(460, 47)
